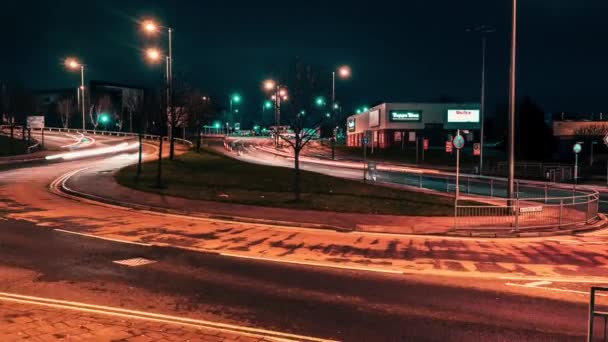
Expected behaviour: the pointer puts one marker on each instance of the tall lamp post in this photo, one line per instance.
(151, 27)
(73, 64)
(154, 56)
(344, 72)
(483, 31)
(512, 88)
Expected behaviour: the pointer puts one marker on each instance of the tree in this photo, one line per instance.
(16, 103)
(197, 108)
(301, 116)
(176, 116)
(132, 103)
(65, 107)
(534, 140)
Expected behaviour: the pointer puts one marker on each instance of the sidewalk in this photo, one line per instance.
(30, 322)
(98, 182)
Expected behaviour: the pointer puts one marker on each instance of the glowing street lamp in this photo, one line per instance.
(74, 64)
(153, 54)
(344, 72)
(150, 26)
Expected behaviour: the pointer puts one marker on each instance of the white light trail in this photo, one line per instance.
(93, 152)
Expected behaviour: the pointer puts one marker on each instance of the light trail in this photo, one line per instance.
(93, 152)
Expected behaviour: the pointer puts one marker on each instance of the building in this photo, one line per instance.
(395, 124)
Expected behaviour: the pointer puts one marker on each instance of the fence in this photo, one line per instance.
(593, 314)
(553, 172)
(103, 133)
(527, 213)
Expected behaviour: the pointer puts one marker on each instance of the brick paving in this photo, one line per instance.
(30, 322)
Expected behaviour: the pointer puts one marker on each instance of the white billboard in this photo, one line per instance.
(36, 122)
(374, 118)
(463, 115)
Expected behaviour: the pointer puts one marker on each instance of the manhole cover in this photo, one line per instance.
(134, 262)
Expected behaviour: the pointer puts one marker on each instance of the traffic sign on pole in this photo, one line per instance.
(577, 148)
(458, 141)
(449, 147)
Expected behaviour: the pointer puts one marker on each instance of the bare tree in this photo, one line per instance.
(132, 103)
(592, 131)
(176, 115)
(301, 116)
(65, 107)
(197, 108)
(16, 102)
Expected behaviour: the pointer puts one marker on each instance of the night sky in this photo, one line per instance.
(399, 51)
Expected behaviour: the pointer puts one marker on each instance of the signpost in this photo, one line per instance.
(36, 122)
(458, 144)
(577, 148)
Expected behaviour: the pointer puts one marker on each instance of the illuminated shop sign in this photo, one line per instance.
(463, 115)
(405, 116)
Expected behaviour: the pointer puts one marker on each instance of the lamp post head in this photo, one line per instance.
(270, 84)
(153, 54)
(72, 63)
(344, 71)
(150, 26)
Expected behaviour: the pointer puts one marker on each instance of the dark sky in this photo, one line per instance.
(399, 50)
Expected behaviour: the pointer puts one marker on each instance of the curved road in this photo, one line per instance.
(39, 257)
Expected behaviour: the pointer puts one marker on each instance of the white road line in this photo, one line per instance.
(308, 263)
(134, 314)
(558, 280)
(537, 283)
(103, 238)
(554, 289)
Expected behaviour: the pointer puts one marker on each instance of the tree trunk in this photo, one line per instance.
(198, 138)
(159, 182)
(172, 144)
(296, 175)
(140, 155)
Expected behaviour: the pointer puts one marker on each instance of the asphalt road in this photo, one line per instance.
(336, 304)
(36, 259)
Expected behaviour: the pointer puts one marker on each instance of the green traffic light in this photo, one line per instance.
(236, 98)
(267, 104)
(320, 101)
(104, 118)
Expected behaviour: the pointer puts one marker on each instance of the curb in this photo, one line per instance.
(60, 186)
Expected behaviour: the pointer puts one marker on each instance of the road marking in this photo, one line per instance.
(103, 238)
(558, 280)
(554, 289)
(134, 262)
(308, 263)
(538, 283)
(134, 314)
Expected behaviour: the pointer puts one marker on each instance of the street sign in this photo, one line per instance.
(449, 147)
(577, 148)
(365, 140)
(425, 144)
(36, 122)
(458, 142)
(477, 149)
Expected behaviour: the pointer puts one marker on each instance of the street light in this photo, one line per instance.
(74, 64)
(320, 101)
(279, 93)
(483, 31)
(512, 83)
(153, 54)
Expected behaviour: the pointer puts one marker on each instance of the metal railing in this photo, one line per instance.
(104, 133)
(593, 314)
(527, 213)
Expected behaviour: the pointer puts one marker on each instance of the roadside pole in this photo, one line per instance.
(416, 150)
(458, 143)
(364, 157)
(577, 148)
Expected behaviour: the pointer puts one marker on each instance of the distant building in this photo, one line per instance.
(119, 94)
(396, 124)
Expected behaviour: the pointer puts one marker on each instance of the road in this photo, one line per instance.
(257, 151)
(39, 257)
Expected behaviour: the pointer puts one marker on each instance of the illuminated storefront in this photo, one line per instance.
(397, 124)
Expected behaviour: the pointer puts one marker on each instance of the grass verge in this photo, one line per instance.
(19, 146)
(210, 176)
